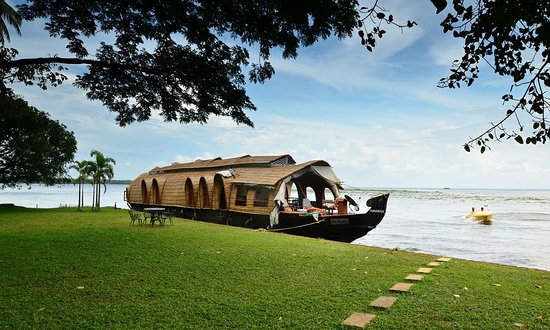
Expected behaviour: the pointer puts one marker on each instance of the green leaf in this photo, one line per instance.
(519, 139)
(440, 5)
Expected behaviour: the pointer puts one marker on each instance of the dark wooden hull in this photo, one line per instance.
(337, 227)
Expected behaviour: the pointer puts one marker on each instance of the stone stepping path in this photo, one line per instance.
(414, 277)
(401, 287)
(383, 302)
(361, 320)
(358, 320)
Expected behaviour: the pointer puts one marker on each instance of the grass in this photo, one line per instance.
(61, 268)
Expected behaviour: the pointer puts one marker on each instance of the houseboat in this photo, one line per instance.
(270, 192)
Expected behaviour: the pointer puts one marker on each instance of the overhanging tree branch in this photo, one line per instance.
(505, 32)
(51, 60)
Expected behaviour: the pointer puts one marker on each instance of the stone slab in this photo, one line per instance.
(383, 302)
(401, 287)
(424, 270)
(434, 264)
(444, 259)
(358, 320)
(414, 277)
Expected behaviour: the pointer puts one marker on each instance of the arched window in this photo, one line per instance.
(189, 193)
(155, 192)
(328, 195)
(292, 196)
(310, 194)
(219, 199)
(203, 194)
(144, 197)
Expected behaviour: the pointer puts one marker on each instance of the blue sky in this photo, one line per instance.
(377, 118)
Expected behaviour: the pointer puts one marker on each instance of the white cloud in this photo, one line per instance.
(445, 51)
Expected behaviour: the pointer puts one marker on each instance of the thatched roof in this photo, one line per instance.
(255, 170)
(271, 175)
(242, 161)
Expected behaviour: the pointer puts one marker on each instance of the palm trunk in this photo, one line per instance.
(82, 198)
(93, 196)
(79, 195)
(98, 192)
(98, 196)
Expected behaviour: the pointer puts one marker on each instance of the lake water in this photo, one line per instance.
(419, 220)
(433, 221)
(40, 196)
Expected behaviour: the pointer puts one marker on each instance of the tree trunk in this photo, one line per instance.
(97, 197)
(82, 198)
(93, 196)
(97, 188)
(79, 195)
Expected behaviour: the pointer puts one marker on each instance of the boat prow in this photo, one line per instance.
(339, 225)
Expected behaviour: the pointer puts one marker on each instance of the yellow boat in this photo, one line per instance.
(481, 215)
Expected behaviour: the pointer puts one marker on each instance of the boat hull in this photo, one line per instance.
(345, 228)
(482, 215)
(337, 227)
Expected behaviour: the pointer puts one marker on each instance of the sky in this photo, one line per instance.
(378, 118)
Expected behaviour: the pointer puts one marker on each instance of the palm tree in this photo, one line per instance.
(102, 170)
(83, 168)
(9, 15)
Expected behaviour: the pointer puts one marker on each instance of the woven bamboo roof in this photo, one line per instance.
(242, 161)
(254, 170)
(271, 175)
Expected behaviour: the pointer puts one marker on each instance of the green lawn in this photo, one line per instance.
(66, 269)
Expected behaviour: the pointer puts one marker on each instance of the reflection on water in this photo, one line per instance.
(433, 221)
(485, 222)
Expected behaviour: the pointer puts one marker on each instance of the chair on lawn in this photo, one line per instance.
(135, 217)
(147, 215)
(168, 216)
